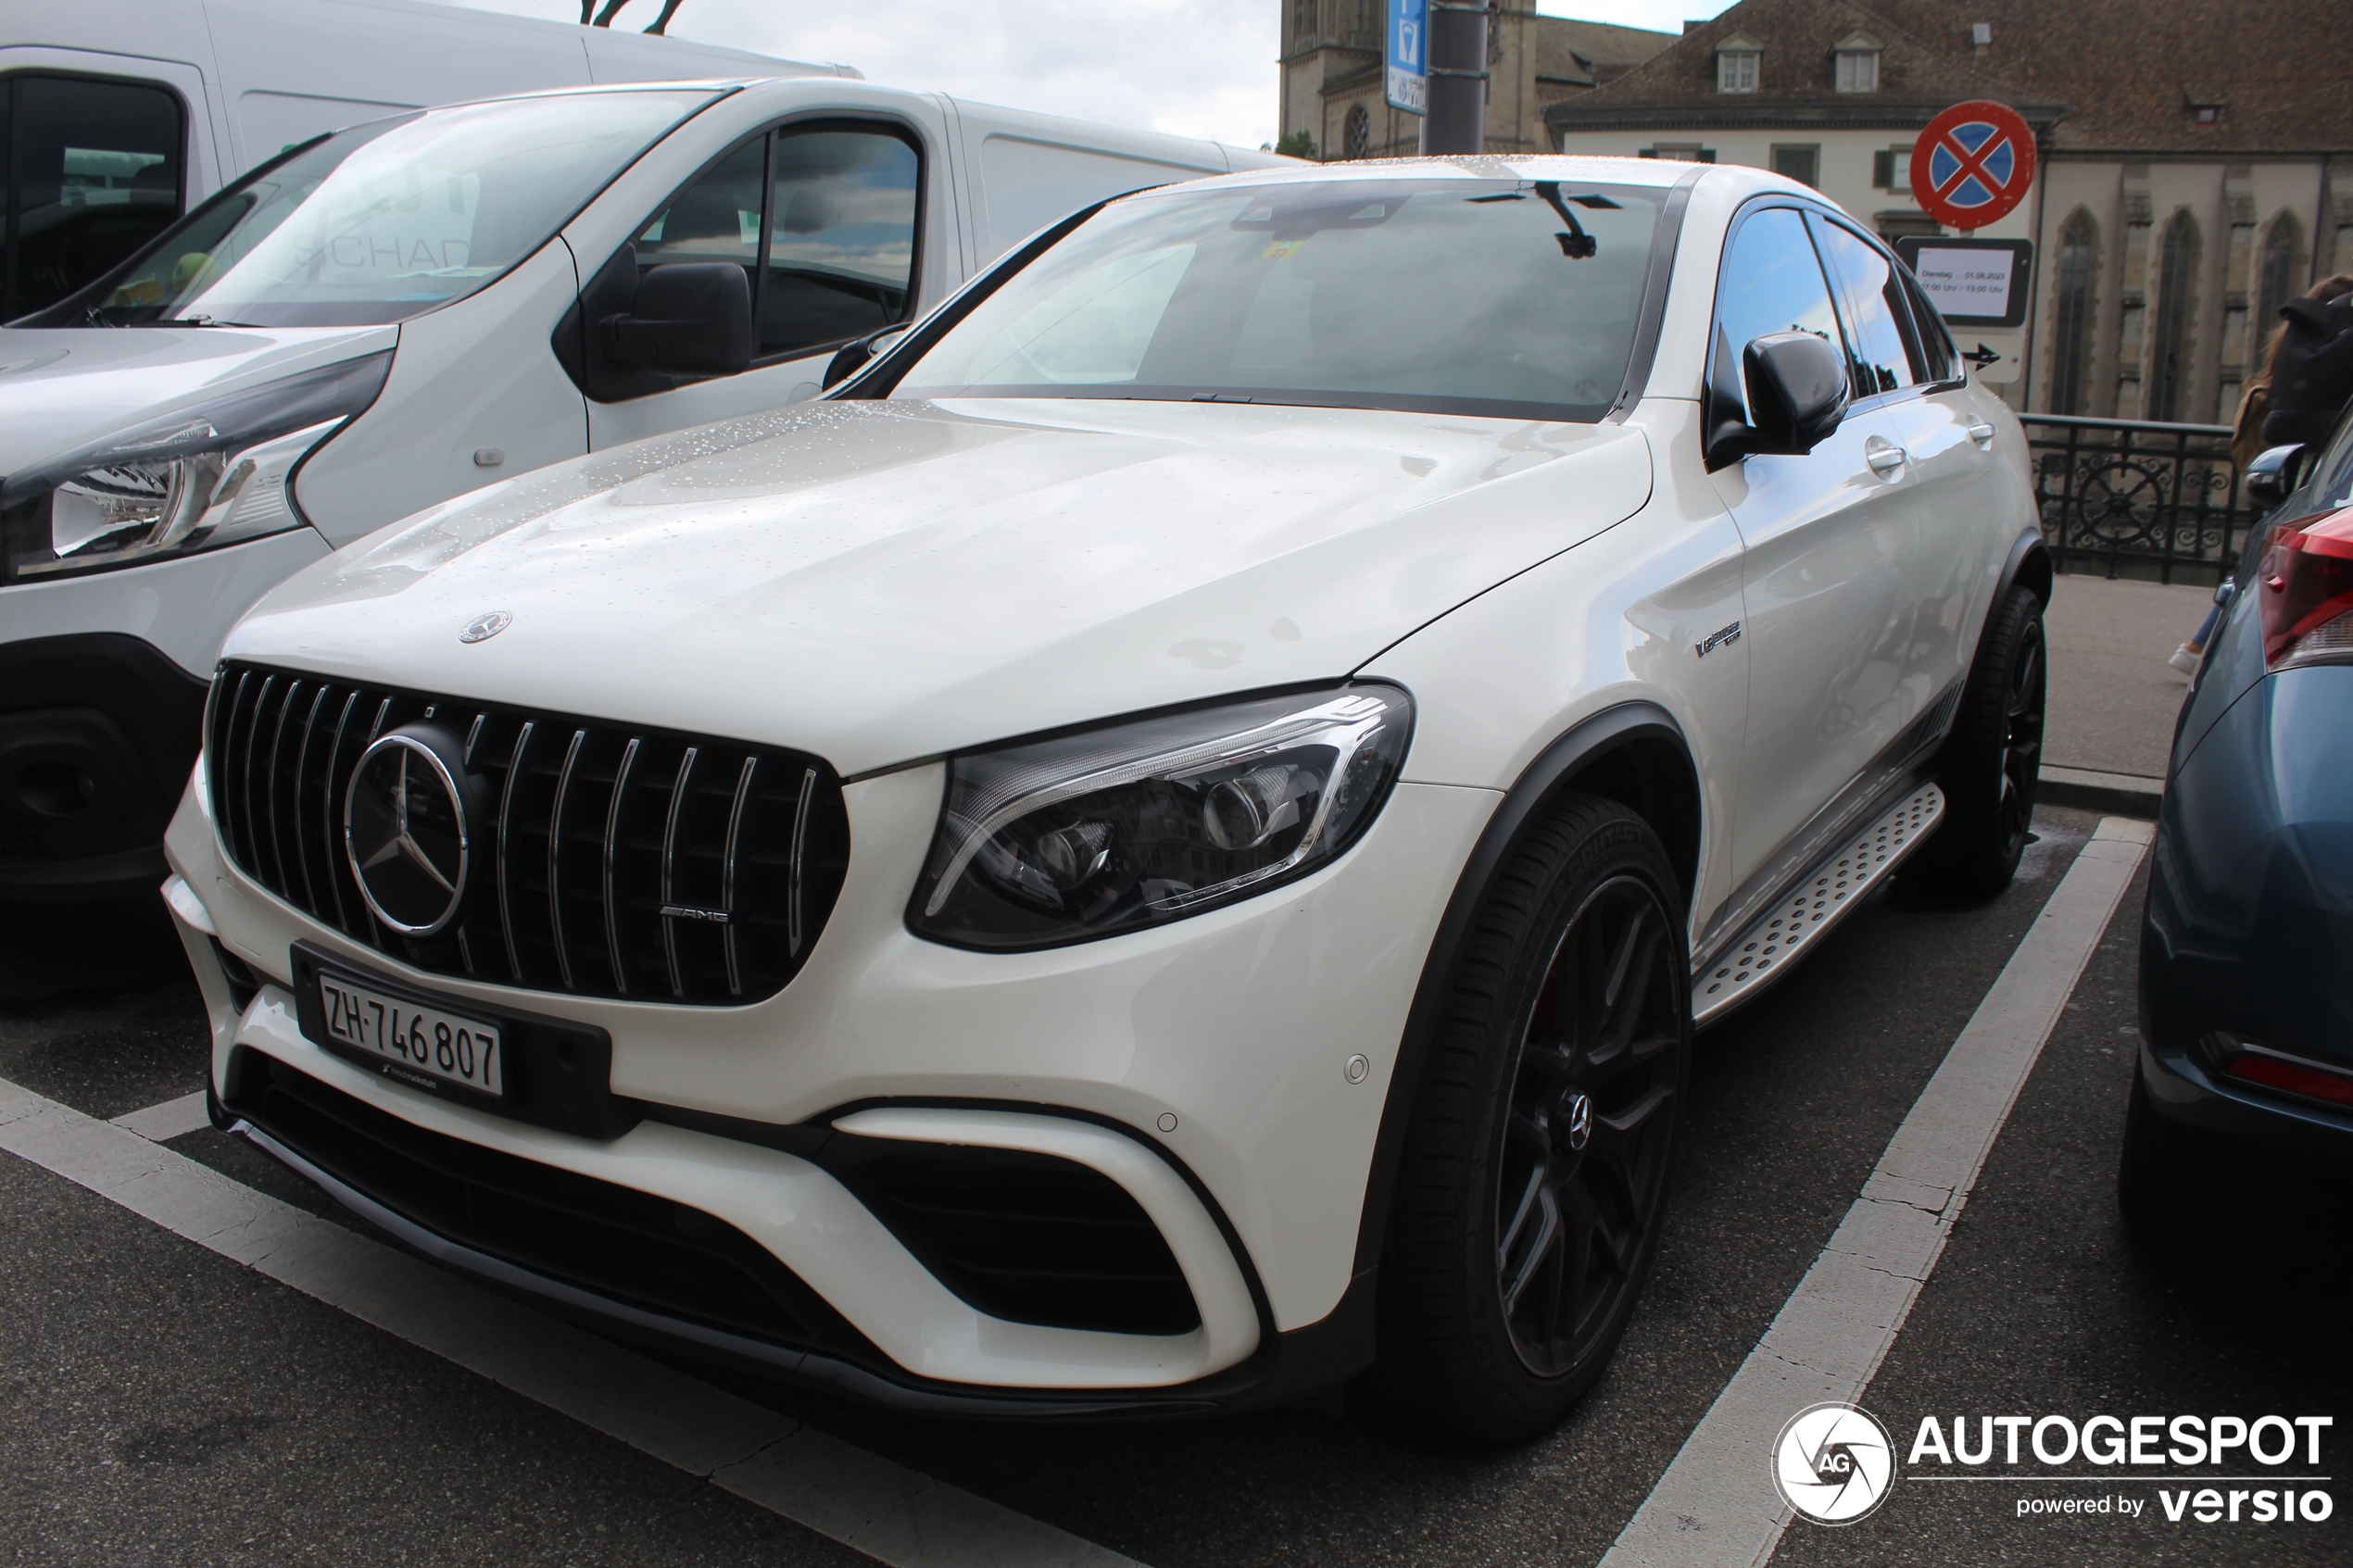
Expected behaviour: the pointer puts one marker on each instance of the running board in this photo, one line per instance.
(1797, 919)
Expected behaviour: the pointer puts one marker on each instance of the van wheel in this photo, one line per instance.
(1534, 1177)
(1992, 760)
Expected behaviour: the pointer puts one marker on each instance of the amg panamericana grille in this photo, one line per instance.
(617, 861)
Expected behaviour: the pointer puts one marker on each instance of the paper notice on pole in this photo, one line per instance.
(1967, 283)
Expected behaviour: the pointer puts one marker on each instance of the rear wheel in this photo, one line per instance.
(1992, 760)
(1535, 1171)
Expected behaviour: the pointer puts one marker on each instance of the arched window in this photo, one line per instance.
(2275, 282)
(2168, 360)
(1358, 140)
(1303, 17)
(2071, 348)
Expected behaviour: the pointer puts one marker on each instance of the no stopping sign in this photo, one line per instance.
(1973, 163)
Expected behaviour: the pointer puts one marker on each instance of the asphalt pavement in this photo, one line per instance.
(164, 1404)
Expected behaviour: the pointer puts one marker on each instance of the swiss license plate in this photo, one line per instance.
(413, 1042)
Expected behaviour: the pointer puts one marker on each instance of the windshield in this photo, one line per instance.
(1515, 299)
(386, 221)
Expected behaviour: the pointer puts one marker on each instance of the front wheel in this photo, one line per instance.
(1992, 760)
(1534, 1179)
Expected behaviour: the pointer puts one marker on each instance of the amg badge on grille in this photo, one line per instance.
(695, 912)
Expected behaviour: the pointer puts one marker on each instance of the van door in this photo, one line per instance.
(1828, 611)
(829, 217)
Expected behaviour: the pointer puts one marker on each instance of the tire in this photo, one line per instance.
(1990, 762)
(1536, 1163)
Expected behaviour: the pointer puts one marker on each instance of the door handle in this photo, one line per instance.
(1885, 459)
(1983, 433)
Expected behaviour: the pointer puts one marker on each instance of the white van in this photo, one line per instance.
(133, 111)
(416, 306)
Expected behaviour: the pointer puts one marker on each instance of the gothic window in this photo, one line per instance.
(2071, 347)
(1368, 29)
(1303, 17)
(2276, 282)
(1359, 139)
(2168, 360)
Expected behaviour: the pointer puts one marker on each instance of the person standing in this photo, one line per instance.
(2321, 380)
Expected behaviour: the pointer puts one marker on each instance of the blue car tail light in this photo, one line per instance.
(2246, 1062)
(2307, 602)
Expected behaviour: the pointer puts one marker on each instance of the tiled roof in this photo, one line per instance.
(2121, 74)
(1579, 51)
(1797, 73)
(2132, 70)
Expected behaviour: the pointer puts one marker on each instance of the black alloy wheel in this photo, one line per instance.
(1528, 1202)
(2022, 739)
(1990, 762)
(1583, 1166)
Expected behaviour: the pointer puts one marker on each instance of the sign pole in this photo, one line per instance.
(1457, 117)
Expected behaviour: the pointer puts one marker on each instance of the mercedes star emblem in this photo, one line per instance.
(405, 830)
(486, 625)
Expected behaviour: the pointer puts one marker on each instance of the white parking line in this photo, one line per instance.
(859, 1498)
(1717, 1507)
(162, 1123)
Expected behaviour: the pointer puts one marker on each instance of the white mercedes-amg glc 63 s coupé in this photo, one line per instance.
(1162, 847)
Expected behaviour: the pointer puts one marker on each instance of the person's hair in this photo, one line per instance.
(2331, 287)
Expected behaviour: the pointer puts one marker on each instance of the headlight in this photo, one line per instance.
(1137, 824)
(208, 476)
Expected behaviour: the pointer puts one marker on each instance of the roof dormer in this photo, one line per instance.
(1858, 54)
(1737, 62)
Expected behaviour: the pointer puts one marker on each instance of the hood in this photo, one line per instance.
(62, 388)
(883, 582)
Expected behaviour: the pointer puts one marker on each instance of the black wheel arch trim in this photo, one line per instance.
(1587, 743)
(2029, 565)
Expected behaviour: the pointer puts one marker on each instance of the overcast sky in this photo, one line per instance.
(1203, 67)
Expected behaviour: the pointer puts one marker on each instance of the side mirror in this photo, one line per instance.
(1798, 390)
(688, 319)
(2271, 476)
(852, 356)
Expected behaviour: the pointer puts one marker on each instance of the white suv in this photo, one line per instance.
(1163, 847)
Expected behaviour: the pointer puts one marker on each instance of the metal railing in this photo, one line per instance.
(2138, 497)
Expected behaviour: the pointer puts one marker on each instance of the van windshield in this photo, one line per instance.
(384, 220)
(1515, 299)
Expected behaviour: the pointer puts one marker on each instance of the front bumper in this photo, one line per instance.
(1202, 1067)
(102, 691)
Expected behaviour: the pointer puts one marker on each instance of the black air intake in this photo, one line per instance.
(615, 861)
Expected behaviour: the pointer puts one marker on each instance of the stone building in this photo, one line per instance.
(2196, 161)
(1331, 75)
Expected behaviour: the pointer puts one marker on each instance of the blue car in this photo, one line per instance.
(2247, 943)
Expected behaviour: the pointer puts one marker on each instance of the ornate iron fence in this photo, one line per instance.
(2140, 497)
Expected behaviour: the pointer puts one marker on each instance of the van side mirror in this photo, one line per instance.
(2270, 477)
(688, 319)
(852, 356)
(1798, 391)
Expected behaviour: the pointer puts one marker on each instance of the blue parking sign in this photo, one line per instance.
(1408, 83)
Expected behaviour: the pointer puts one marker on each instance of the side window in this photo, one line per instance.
(1940, 361)
(93, 172)
(841, 243)
(1879, 353)
(716, 218)
(1772, 284)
